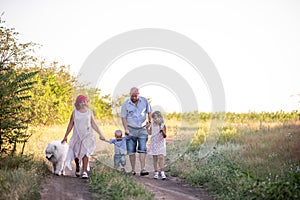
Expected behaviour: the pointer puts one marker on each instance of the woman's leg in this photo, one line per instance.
(85, 161)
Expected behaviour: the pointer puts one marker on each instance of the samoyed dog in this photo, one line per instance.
(56, 153)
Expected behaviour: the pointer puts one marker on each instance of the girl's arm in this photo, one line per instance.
(164, 131)
(70, 126)
(96, 128)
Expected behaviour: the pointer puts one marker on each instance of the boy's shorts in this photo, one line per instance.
(138, 138)
(119, 159)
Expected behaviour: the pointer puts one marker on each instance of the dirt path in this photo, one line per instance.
(70, 187)
(73, 188)
(172, 189)
(66, 188)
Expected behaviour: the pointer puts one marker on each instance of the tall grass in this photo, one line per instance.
(250, 161)
(21, 177)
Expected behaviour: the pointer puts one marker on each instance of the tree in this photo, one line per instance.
(14, 86)
(52, 97)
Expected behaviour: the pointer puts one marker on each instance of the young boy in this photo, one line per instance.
(120, 150)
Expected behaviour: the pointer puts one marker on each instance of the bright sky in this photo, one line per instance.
(254, 44)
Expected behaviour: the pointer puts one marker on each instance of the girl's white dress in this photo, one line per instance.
(83, 141)
(157, 142)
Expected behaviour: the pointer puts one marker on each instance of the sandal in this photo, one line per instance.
(84, 175)
(144, 173)
(133, 173)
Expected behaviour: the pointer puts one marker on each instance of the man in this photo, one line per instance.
(133, 115)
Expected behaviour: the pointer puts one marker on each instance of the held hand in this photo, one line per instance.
(101, 137)
(148, 124)
(127, 132)
(64, 140)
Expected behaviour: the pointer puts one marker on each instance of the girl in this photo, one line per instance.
(157, 130)
(82, 143)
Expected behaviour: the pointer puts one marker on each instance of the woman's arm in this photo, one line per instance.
(96, 128)
(70, 126)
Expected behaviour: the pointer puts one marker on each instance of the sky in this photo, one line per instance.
(254, 45)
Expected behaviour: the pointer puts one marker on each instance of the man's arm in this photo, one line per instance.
(149, 117)
(125, 125)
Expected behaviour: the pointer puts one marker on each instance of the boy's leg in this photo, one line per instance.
(123, 160)
(123, 163)
(116, 161)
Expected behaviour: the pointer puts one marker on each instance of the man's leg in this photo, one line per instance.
(132, 159)
(142, 157)
(131, 143)
(142, 149)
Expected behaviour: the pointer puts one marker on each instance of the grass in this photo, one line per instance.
(113, 184)
(21, 176)
(250, 161)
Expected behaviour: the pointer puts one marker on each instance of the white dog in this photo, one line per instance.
(56, 153)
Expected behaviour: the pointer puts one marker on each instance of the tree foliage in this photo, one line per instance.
(51, 98)
(14, 86)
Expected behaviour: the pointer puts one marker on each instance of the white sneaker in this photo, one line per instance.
(155, 175)
(163, 176)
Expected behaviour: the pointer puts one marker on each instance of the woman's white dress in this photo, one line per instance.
(83, 141)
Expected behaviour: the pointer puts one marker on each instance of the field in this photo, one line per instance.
(235, 157)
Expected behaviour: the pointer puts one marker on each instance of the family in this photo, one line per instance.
(134, 113)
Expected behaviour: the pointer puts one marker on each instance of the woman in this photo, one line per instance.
(82, 143)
